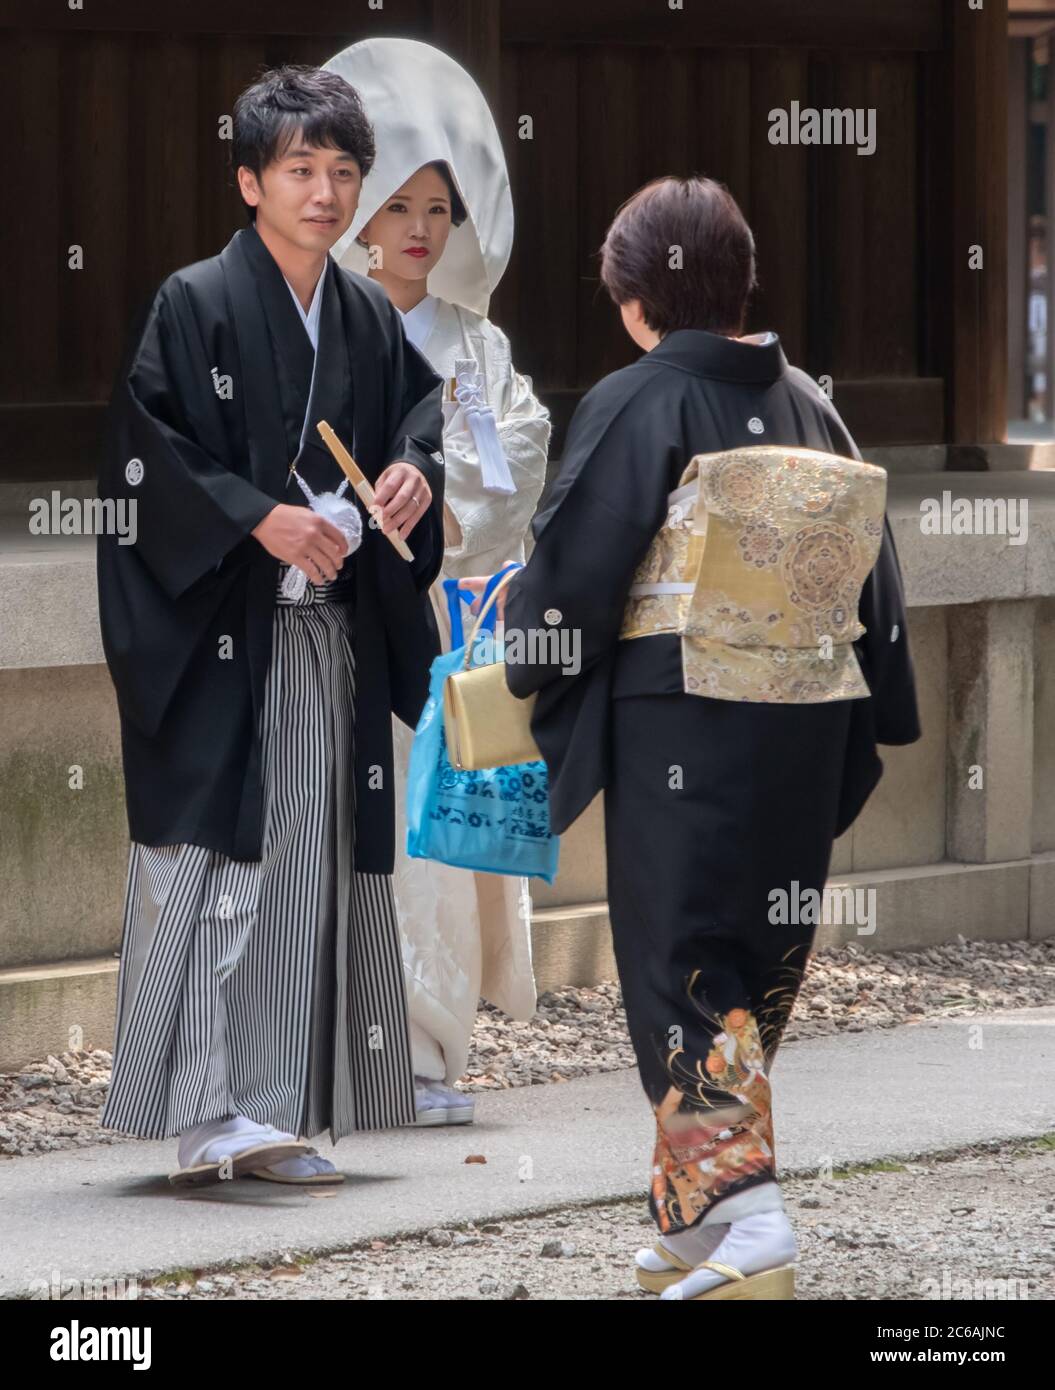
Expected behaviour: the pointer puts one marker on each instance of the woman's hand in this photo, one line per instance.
(403, 497)
(478, 583)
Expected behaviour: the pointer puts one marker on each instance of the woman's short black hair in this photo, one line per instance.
(319, 105)
(458, 209)
(683, 248)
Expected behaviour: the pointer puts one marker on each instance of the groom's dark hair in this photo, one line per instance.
(320, 105)
(683, 248)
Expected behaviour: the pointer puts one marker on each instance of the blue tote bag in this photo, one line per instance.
(494, 820)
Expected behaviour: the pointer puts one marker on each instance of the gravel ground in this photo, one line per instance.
(953, 1227)
(577, 1032)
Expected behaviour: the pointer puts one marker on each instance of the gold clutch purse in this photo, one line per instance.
(485, 724)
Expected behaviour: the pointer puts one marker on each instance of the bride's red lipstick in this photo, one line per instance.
(417, 251)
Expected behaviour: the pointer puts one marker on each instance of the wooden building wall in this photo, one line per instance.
(111, 114)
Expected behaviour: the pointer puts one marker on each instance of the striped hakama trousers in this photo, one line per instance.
(270, 989)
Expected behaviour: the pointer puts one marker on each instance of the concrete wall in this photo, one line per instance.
(1043, 817)
(63, 833)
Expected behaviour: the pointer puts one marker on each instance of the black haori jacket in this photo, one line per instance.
(204, 420)
(627, 446)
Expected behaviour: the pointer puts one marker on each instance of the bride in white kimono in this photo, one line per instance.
(435, 227)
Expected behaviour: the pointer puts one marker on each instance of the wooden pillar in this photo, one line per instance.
(1017, 229)
(1049, 236)
(976, 131)
(469, 31)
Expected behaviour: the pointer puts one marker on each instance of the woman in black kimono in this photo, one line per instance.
(731, 756)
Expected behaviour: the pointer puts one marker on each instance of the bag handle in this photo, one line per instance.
(496, 583)
(452, 588)
(455, 596)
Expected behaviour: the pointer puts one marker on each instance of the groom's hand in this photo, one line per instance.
(301, 537)
(403, 497)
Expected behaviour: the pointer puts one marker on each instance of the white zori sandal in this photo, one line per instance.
(762, 1246)
(309, 1169)
(769, 1284)
(227, 1149)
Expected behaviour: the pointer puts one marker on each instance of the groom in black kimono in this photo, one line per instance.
(261, 994)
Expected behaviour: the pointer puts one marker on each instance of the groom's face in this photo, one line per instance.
(308, 195)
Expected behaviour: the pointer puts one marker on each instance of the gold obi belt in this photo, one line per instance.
(759, 568)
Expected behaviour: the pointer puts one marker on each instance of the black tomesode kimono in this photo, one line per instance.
(260, 964)
(708, 979)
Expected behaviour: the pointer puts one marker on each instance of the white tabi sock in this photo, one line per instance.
(305, 1166)
(763, 1241)
(697, 1243)
(218, 1139)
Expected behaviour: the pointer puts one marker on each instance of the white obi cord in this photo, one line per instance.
(675, 516)
(471, 393)
(639, 590)
(336, 508)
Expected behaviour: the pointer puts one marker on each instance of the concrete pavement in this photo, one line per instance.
(108, 1211)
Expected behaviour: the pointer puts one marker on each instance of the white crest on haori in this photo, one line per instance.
(425, 107)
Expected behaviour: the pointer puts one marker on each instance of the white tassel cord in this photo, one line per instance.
(494, 467)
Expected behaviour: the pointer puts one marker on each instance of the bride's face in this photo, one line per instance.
(411, 229)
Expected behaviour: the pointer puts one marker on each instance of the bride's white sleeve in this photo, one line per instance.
(493, 526)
